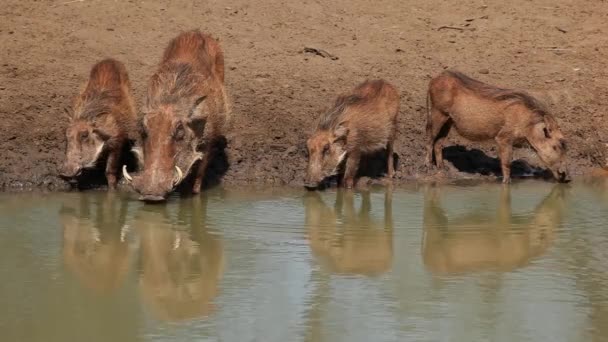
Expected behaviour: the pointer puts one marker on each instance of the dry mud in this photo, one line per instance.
(555, 49)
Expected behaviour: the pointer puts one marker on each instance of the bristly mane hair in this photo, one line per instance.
(97, 103)
(172, 84)
(332, 118)
(499, 94)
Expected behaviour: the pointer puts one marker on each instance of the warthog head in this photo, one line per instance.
(85, 144)
(549, 142)
(169, 151)
(326, 152)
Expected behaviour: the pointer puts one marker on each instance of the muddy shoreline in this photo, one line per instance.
(278, 87)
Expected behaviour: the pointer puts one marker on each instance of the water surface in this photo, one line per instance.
(451, 263)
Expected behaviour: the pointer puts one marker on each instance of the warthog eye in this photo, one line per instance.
(179, 132)
(325, 149)
(84, 135)
(546, 131)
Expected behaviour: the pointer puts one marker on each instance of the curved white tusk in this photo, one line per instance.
(180, 174)
(126, 174)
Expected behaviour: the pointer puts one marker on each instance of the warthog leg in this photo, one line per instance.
(505, 153)
(352, 164)
(389, 160)
(437, 128)
(112, 168)
(202, 169)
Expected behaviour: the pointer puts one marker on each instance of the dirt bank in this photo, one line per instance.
(558, 49)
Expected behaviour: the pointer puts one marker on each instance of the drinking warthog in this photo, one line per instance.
(185, 112)
(480, 111)
(102, 121)
(361, 122)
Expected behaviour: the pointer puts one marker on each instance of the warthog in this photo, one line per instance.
(185, 113)
(479, 111)
(102, 121)
(361, 122)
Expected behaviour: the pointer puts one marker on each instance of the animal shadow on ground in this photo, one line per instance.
(374, 165)
(477, 162)
(95, 177)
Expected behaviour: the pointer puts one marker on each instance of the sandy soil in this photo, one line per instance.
(557, 49)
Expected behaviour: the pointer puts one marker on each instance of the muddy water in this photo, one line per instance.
(451, 263)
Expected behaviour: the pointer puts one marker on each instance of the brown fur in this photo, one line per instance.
(186, 112)
(503, 242)
(479, 111)
(359, 123)
(337, 240)
(102, 121)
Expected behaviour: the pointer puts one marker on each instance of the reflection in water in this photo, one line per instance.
(181, 262)
(94, 248)
(348, 242)
(485, 241)
(272, 291)
(598, 182)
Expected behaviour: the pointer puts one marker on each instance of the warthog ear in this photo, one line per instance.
(549, 125)
(341, 131)
(197, 118)
(545, 129)
(197, 108)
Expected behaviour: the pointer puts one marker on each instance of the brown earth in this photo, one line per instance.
(557, 49)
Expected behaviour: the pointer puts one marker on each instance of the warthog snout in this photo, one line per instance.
(561, 174)
(70, 170)
(312, 180)
(154, 186)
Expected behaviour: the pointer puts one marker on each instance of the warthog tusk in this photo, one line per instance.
(126, 174)
(340, 160)
(180, 175)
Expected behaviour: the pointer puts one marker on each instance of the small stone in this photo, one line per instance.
(484, 71)
(291, 150)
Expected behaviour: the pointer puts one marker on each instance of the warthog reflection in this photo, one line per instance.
(481, 241)
(346, 241)
(181, 261)
(94, 248)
